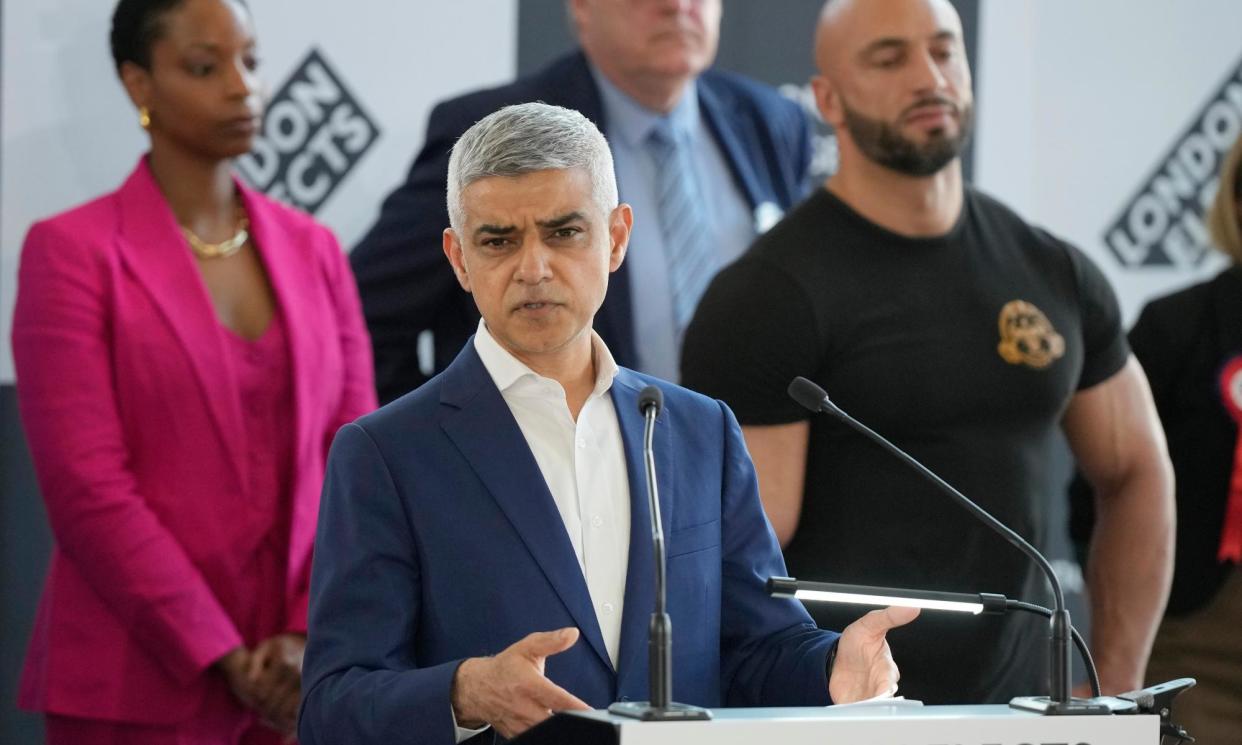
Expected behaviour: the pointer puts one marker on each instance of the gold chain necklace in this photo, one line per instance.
(224, 248)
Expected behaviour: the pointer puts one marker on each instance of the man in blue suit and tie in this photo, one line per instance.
(483, 557)
(739, 150)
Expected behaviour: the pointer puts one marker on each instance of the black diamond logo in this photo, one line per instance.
(314, 133)
(1162, 224)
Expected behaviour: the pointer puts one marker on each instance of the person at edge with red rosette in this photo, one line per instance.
(1190, 344)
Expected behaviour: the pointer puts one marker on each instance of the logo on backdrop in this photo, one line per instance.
(823, 139)
(1162, 224)
(314, 133)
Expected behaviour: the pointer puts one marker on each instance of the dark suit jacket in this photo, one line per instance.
(404, 279)
(439, 540)
(1183, 341)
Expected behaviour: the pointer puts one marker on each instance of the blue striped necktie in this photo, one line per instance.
(692, 260)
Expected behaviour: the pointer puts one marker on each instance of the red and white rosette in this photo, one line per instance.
(1231, 397)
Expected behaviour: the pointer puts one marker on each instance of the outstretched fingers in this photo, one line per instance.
(536, 701)
(510, 691)
(553, 698)
(543, 644)
(879, 622)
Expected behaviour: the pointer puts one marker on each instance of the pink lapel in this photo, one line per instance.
(284, 244)
(290, 266)
(153, 249)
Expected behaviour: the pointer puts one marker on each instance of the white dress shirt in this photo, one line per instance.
(583, 463)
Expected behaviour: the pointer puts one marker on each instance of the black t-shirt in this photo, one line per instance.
(964, 350)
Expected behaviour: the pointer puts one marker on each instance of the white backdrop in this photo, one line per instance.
(1081, 102)
(69, 133)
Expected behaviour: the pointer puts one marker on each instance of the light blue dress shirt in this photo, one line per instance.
(726, 208)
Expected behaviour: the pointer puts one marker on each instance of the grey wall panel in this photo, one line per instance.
(25, 544)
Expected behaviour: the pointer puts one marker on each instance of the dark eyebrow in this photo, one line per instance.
(559, 222)
(211, 46)
(495, 229)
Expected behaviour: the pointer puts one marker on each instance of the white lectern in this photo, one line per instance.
(855, 725)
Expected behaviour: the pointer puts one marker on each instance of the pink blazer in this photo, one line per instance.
(137, 435)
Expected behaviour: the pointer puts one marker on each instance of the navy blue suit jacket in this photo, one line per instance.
(439, 540)
(405, 282)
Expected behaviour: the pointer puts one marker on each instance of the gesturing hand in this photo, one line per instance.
(509, 691)
(864, 666)
(275, 677)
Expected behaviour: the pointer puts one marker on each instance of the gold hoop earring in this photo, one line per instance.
(144, 117)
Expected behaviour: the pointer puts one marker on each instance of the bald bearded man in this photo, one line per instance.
(977, 342)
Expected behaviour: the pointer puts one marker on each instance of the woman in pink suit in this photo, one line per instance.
(185, 350)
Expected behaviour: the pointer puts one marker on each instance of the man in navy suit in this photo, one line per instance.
(641, 63)
(483, 557)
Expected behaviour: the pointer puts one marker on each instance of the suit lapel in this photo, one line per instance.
(487, 435)
(151, 244)
(287, 263)
(640, 571)
(572, 86)
(721, 120)
(290, 265)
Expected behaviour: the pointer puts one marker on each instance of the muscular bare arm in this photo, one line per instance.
(779, 453)
(1118, 441)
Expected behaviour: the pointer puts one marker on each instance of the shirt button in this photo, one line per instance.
(581, 442)
(597, 521)
(608, 608)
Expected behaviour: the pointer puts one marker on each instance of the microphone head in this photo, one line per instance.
(649, 397)
(808, 394)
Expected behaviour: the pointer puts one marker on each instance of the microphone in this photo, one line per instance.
(1060, 683)
(660, 633)
(651, 399)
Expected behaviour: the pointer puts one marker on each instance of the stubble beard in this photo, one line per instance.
(882, 143)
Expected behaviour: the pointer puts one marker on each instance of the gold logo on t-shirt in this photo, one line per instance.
(1026, 336)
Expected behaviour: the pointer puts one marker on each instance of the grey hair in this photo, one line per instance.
(526, 138)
